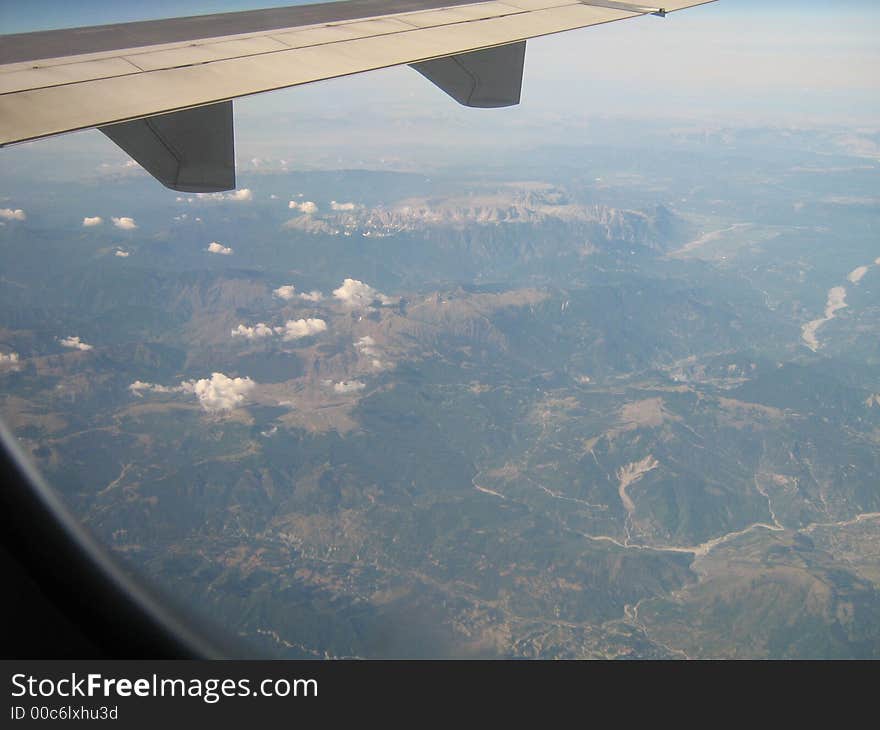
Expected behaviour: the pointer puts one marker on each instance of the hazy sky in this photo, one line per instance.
(779, 62)
(786, 59)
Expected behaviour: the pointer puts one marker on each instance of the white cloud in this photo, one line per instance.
(356, 294)
(348, 386)
(295, 329)
(366, 346)
(243, 194)
(125, 223)
(122, 254)
(286, 292)
(75, 343)
(11, 357)
(94, 221)
(115, 168)
(343, 206)
(217, 393)
(138, 385)
(215, 247)
(12, 215)
(855, 276)
(252, 333)
(307, 207)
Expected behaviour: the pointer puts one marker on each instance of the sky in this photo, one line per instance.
(19, 17)
(760, 58)
(747, 60)
(781, 63)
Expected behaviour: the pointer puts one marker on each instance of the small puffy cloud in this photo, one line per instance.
(295, 329)
(258, 331)
(115, 168)
(367, 347)
(243, 194)
(286, 292)
(307, 207)
(93, 221)
(348, 386)
(219, 392)
(357, 294)
(8, 358)
(120, 253)
(13, 215)
(138, 387)
(75, 343)
(215, 247)
(343, 206)
(125, 223)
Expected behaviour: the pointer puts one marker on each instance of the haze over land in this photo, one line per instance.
(598, 376)
(595, 403)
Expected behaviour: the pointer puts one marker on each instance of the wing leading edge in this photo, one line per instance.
(162, 90)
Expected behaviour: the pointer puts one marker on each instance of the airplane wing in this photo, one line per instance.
(162, 90)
